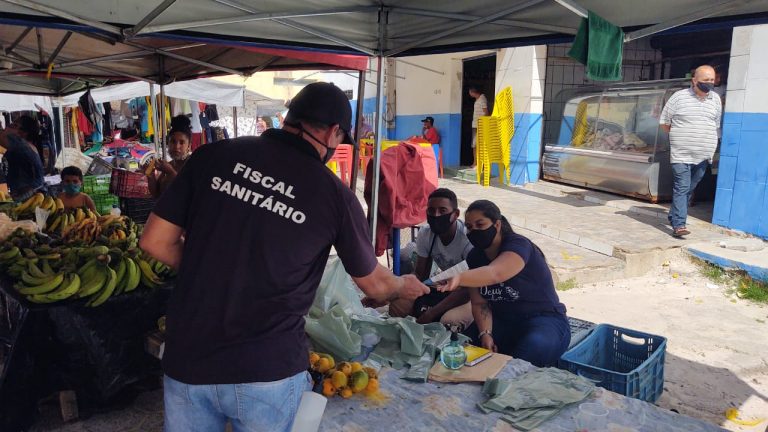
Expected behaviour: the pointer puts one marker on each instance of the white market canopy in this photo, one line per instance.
(206, 90)
(19, 102)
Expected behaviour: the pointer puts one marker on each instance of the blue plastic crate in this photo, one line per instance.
(624, 361)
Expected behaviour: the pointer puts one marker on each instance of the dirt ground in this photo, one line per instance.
(717, 344)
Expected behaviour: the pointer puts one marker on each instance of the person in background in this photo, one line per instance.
(443, 242)
(429, 131)
(261, 126)
(72, 195)
(25, 168)
(179, 146)
(516, 308)
(366, 131)
(691, 117)
(249, 225)
(480, 109)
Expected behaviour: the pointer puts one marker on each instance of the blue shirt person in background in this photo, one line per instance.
(25, 168)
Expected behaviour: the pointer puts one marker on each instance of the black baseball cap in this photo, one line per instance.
(324, 103)
(428, 119)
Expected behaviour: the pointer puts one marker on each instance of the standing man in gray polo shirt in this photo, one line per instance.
(692, 118)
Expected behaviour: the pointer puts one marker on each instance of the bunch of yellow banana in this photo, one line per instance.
(5, 196)
(59, 221)
(84, 232)
(46, 202)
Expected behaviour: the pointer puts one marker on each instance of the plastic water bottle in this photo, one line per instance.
(453, 355)
(115, 210)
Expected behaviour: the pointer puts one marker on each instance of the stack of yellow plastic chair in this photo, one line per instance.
(494, 139)
(580, 127)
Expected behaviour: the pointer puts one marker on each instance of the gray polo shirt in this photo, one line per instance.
(695, 121)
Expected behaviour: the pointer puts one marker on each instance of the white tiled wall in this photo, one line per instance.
(756, 98)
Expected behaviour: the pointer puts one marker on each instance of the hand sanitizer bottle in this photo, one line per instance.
(453, 355)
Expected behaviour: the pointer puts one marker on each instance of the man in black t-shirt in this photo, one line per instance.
(249, 224)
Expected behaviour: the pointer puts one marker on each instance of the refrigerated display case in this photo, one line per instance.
(610, 140)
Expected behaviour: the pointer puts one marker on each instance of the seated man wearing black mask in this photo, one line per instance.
(444, 243)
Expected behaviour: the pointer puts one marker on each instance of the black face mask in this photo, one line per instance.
(705, 86)
(440, 224)
(329, 150)
(482, 239)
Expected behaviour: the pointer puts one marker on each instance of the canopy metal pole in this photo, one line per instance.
(374, 210)
(234, 120)
(358, 126)
(154, 116)
(164, 126)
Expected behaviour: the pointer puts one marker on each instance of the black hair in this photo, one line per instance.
(447, 194)
(72, 171)
(473, 89)
(183, 124)
(492, 212)
(31, 127)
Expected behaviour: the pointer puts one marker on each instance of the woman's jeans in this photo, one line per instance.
(265, 406)
(537, 338)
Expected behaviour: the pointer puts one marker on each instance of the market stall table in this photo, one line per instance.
(410, 406)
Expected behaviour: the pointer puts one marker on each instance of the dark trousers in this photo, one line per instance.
(539, 338)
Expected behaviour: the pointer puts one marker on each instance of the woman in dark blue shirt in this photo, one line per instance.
(514, 302)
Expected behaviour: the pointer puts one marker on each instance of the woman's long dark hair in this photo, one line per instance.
(492, 212)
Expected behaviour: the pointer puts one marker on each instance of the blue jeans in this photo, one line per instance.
(540, 338)
(263, 406)
(685, 179)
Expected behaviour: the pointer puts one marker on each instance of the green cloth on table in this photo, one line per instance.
(534, 397)
(332, 333)
(599, 45)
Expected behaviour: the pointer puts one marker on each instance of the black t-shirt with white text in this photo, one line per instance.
(260, 216)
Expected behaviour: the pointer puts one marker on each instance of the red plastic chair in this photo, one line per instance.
(366, 154)
(343, 158)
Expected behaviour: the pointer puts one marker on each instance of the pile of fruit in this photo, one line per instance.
(26, 210)
(47, 271)
(344, 379)
(83, 255)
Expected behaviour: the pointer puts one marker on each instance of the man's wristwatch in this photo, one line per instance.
(483, 333)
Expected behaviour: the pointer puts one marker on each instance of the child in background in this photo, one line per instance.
(72, 182)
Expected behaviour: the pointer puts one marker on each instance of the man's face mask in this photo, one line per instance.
(706, 87)
(440, 224)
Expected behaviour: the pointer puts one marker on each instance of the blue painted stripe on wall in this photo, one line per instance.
(741, 201)
(526, 143)
(449, 127)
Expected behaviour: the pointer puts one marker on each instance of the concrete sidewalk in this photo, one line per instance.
(587, 235)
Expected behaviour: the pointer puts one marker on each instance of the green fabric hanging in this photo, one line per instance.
(599, 45)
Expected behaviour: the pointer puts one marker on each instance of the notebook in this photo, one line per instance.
(476, 354)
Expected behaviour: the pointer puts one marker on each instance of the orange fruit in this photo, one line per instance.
(328, 389)
(346, 392)
(372, 387)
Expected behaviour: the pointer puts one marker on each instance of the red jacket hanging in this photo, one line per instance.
(408, 176)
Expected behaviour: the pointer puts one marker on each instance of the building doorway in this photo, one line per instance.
(480, 73)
